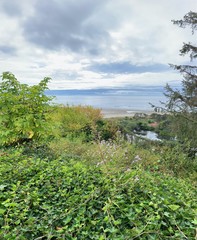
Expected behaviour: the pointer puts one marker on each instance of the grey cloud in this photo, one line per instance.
(8, 50)
(126, 68)
(66, 25)
(11, 8)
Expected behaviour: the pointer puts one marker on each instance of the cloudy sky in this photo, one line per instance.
(93, 43)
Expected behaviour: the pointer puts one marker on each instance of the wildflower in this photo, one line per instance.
(100, 163)
(129, 138)
(136, 178)
(137, 158)
(128, 170)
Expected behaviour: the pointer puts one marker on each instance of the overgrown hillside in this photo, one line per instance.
(70, 197)
(67, 173)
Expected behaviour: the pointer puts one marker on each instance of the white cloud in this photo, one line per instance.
(63, 39)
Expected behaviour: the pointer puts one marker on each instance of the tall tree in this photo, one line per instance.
(183, 103)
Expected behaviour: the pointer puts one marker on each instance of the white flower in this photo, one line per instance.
(136, 178)
(137, 158)
(128, 170)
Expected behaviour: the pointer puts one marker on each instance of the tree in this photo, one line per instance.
(183, 103)
(23, 110)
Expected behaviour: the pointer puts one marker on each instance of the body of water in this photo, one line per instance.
(134, 99)
(149, 135)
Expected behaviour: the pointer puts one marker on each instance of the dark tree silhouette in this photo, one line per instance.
(182, 104)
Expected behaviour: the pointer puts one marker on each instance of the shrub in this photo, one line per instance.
(75, 121)
(23, 110)
(66, 199)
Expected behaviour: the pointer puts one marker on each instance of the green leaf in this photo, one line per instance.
(2, 187)
(174, 207)
(2, 211)
(67, 220)
(194, 221)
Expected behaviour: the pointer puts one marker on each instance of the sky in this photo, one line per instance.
(85, 44)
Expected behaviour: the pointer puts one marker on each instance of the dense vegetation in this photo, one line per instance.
(23, 110)
(83, 179)
(183, 103)
(66, 198)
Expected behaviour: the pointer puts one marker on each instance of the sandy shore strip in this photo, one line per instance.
(119, 113)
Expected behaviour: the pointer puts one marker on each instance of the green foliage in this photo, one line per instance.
(88, 182)
(23, 110)
(84, 123)
(164, 128)
(75, 121)
(66, 199)
(161, 157)
(129, 125)
(175, 159)
(183, 103)
(106, 129)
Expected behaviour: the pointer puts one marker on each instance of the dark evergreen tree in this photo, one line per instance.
(183, 103)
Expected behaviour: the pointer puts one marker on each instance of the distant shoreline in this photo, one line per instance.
(119, 113)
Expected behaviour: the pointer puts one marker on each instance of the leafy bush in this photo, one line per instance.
(65, 199)
(75, 121)
(106, 130)
(176, 160)
(23, 110)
